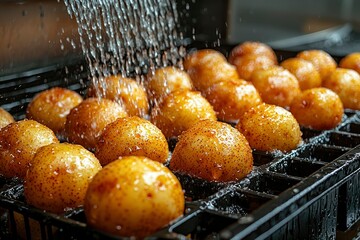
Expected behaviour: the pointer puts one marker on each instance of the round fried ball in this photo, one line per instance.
(269, 128)
(305, 72)
(179, 110)
(209, 69)
(230, 99)
(351, 61)
(213, 151)
(5, 118)
(59, 176)
(86, 121)
(252, 48)
(126, 91)
(318, 108)
(322, 61)
(19, 142)
(346, 83)
(276, 85)
(131, 136)
(166, 80)
(247, 64)
(203, 56)
(133, 196)
(50, 107)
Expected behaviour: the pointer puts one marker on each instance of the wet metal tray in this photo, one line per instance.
(310, 193)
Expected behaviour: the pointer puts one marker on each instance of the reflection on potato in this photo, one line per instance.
(179, 110)
(5, 118)
(51, 107)
(351, 61)
(305, 72)
(131, 136)
(213, 151)
(269, 127)
(346, 83)
(58, 177)
(230, 99)
(86, 121)
(276, 85)
(18, 143)
(318, 108)
(322, 61)
(133, 196)
(126, 91)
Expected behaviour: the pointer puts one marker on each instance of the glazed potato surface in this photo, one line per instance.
(131, 136)
(269, 128)
(351, 61)
(213, 151)
(19, 142)
(133, 196)
(58, 177)
(5, 118)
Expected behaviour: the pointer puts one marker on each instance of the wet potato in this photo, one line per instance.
(131, 136)
(126, 91)
(351, 61)
(86, 121)
(213, 151)
(133, 196)
(201, 57)
(19, 142)
(50, 107)
(5, 118)
(179, 110)
(270, 128)
(58, 177)
(318, 108)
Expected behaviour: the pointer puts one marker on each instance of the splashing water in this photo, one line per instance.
(127, 37)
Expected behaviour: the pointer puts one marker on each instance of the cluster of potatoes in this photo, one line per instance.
(108, 152)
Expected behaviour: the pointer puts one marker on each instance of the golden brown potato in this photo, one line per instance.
(86, 121)
(58, 177)
(50, 107)
(276, 85)
(126, 91)
(18, 143)
(230, 99)
(208, 69)
(5, 118)
(252, 48)
(131, 136)
(351, 61)
(317, 108)
(305, 72)
(166, 80)
(322, 61)
(346, 83)
(133, 196)
(179, 110)
(213, 151)
(247, 64)
(269, 128)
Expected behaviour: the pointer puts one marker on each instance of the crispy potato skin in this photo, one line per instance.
(276, 85)
(179, 110)
(58, 177)
(86, 121)
(133, 196)
(166, 80)
(5, 118)
(346, 83)
(305, 72)
(203, 56)
(126, 91)
(19, 142)
(269, 128)
(318, 108)
(230, 99)
(50, 107)
(351, 61)
(131, 136)
(247, 64)
(322, 61)
(213, 151)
